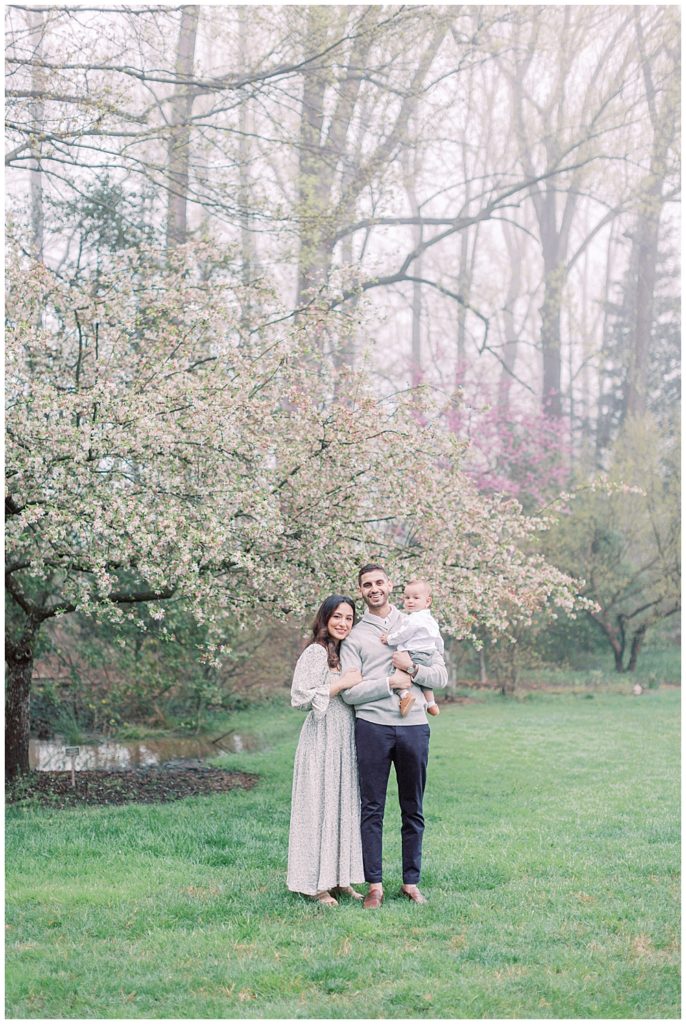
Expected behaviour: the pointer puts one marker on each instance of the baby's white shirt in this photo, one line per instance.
(417, 632)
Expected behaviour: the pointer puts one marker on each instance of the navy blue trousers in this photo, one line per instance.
(406, 747)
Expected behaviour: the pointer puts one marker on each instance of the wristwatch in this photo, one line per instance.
(413, 671)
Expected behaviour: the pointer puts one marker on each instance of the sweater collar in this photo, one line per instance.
(376, 620)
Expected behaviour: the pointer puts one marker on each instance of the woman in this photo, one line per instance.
(324, 846)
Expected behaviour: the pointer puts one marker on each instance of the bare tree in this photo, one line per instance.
(410, 168)
(36, 21)
(179, 139)
(662, 106)
(329, 183)
(556, 115)
(284, 141)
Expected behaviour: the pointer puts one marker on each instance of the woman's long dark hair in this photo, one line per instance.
(320, 632)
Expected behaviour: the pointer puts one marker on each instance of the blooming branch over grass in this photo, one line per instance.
(155, 450)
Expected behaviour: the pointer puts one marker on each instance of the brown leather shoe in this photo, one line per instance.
(373, 899)
(406, 703)
(414, 896)
(433, 709)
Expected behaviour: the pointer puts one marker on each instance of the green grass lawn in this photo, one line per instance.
(551, 864)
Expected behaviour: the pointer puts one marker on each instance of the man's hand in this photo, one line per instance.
(402, 660)
(400, 681)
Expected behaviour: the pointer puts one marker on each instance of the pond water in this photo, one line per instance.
(49, 756)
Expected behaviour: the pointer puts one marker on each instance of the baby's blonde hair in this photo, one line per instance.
(423, 583)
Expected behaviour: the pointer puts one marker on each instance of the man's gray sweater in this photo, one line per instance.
(373, 699)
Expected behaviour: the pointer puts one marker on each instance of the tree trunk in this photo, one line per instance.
(247, 241)
(646, 238)
(615, 638)
(345, 350)
(554, 276)
(509, 356)
(313, 175)
(178, 147)
(645, 245)
(416, 373)
(554, 246)
(636, 644)
(464, 281)
(19, 660)
(416, 344)
(604, 386)
(587, 334)
(37, 107)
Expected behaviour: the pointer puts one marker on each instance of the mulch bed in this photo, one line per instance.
(137, 785)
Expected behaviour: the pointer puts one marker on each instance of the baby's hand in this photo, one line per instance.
(384, 638)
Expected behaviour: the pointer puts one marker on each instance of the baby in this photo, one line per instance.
(419, 634)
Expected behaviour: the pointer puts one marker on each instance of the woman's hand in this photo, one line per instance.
(400, 680)
(351, 677)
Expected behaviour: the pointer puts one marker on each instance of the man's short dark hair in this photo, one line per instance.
(370, 568)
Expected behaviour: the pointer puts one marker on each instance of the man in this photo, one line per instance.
(383, 737)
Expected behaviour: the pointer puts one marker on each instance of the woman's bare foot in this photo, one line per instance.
(346, 890)
(325, 898)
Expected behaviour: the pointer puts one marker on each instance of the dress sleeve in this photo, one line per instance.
(310, 687)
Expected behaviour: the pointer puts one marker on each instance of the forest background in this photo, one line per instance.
(294, 287)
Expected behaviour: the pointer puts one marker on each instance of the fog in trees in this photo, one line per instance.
(481, 202)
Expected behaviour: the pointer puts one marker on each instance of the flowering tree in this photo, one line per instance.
(159, 449)
(513, 450)
(624, 537)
